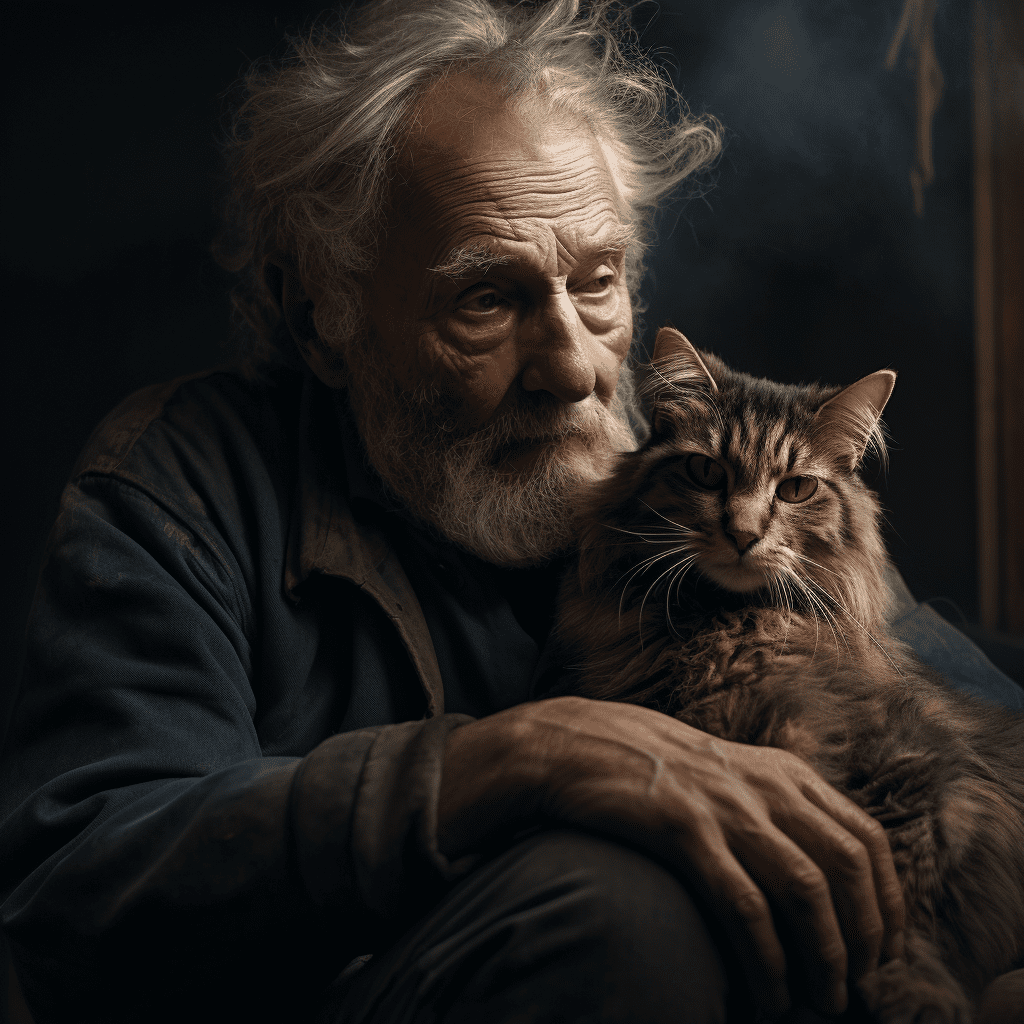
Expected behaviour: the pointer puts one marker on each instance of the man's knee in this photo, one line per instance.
(564, 926)
(630, 925)
(604, 892)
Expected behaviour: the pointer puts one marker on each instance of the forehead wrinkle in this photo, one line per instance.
(565, 190)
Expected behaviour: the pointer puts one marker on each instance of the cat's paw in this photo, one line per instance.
(896, 994)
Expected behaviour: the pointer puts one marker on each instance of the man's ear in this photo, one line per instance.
(297, 304)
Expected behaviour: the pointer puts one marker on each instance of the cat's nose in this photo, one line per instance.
(743, 540)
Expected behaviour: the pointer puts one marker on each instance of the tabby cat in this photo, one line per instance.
(731, 573)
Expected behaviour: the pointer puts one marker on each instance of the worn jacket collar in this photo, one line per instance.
(326, 537)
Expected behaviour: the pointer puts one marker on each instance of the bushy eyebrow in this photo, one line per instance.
(479, 259)
(464, 262)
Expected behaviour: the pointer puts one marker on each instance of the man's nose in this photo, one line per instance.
(559, 353)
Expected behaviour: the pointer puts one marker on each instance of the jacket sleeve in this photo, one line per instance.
(942, 646)
(148, 851)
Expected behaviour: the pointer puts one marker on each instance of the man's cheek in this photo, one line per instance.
(479, 382)
(610, 322)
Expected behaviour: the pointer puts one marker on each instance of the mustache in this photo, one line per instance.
(523, 418)
(544, 422)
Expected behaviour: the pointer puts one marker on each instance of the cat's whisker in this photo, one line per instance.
(822, 599)
(817, 565)
(651, 532)
(678, 526)
(666, 539)
(644, 601)
(884, 652)
(683, 568)
(836, 598)
(852, 618)
(652, 536)
(860, 625)
(797, 584)
(786, 591)
(806, 560)
(778, 595)
(818, 605)
(778, 583)
(646, 564)
(829, 621)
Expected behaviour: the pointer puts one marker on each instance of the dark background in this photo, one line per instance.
(803, 260)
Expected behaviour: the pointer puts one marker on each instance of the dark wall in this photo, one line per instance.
(805, 260)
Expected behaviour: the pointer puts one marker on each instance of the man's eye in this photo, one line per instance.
(597, 285)
(485, 302)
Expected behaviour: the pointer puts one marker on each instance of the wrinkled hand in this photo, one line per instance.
(754, 829)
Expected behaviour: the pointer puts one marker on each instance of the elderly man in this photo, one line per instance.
(281, 750)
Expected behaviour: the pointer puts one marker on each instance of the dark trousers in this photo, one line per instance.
(562, 927)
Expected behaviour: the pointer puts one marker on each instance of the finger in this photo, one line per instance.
(741, 908)
(888, 891)
(844, 861)
(800, 893)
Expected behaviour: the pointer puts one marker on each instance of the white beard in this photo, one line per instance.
(459, 483)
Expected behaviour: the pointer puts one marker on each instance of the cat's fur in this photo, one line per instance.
(765, 621)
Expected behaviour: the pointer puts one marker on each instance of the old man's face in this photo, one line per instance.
(499, 319)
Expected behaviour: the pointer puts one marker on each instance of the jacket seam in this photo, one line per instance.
(238, 608)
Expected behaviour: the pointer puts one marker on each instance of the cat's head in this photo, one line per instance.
(762, 478)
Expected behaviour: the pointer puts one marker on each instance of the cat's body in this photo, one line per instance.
(670, 607)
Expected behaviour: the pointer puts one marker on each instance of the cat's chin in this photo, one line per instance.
(737, 577)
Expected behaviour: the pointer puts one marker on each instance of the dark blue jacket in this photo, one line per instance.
(222, 772)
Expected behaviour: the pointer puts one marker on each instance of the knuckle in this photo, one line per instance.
(875, 832)
(893, 903)
(892, 891)
(750, 906)
(833, 956)
(851, 857)
(778, 758)
(809, 885)
(872, 933)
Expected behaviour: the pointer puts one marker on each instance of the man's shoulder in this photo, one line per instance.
(215, 405)
(198, 432)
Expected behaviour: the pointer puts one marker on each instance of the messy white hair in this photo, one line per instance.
(311, 144)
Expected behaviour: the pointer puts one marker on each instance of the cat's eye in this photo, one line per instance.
(797, 489)
(705, 472)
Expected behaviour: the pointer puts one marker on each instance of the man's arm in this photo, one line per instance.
(753, 829)
(148, 849)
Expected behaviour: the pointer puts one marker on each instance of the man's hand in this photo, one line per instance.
(753, 829)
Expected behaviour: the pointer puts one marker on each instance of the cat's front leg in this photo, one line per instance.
(916, 990)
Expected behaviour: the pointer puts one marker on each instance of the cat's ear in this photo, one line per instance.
(848, 423)
(679, 361)
(677, 375)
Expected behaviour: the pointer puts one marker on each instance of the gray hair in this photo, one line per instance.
(311, 145)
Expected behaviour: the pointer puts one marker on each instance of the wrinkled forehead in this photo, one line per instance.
(479, 161)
